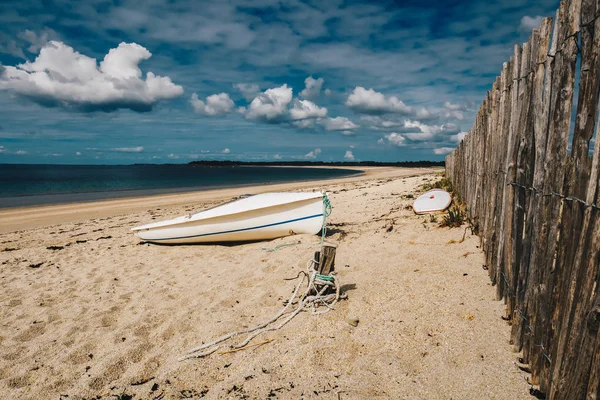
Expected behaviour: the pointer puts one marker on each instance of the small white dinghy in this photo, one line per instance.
(432, 201)
(259, 217)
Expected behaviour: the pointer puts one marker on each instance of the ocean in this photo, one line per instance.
(27, 184)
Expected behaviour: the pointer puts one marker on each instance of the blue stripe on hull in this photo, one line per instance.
(240, 230)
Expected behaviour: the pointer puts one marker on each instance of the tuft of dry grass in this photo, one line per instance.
(454, 218)
(443, 183)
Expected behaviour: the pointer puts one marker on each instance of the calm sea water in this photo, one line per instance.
(23, 185)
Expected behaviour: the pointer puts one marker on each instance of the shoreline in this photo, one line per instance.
(106, 195)
(29, 217)
(81, 194)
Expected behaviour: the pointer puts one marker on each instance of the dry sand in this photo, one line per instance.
(101, 314)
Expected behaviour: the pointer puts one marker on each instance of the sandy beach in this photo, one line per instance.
(87, 311)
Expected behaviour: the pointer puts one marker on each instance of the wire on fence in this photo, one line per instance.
(508, 288)
(543, 352)
(524, 318)
(539, 192)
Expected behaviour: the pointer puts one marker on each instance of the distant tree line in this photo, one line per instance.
(412, 164)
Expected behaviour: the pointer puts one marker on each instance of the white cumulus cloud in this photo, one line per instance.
(313, 154)
(530, 23)
(304, 109)
(396, 139)
(312, 89)
(304, 123)
(30, 40)
(37, 41)
(137, 149)
(338, 124)
(216, 104)
(226, 151)
(248, 90)
(271, 104)
(458, 137)
(425, 132)
(454, 110)
(454, 115)
(454, 107)
(60, 76)
(422, 113)
(368, 101)
(10, 46)
(443, 150)
(378, 123)
(349, 156)
(4, 150)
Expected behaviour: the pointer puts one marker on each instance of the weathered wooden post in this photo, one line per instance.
(325, 261)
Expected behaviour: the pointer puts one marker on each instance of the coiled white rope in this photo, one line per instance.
(316, 284)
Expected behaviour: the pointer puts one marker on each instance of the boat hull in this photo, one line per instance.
(298, 217)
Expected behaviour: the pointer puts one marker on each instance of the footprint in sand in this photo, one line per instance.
(169, 332)
(111, 373)
(142, 331)
(15, 302)
(15, 355)
(147, 371)
(35, 330)
(138, 353)
(20, 381)
(82, 355)
(117, 369)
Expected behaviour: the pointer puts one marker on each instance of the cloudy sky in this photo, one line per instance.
(173, 81)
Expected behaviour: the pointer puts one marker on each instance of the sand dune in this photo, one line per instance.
(87, 310)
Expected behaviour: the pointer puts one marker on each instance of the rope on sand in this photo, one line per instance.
(314, 297)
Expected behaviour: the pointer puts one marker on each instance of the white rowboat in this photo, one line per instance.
(260, 217)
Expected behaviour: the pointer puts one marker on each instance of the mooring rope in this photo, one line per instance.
(316, 283)
(279, 246)
(327, 207)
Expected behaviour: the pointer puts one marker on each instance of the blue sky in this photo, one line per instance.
(105, 82)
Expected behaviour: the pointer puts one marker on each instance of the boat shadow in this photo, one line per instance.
(335, 229)
(332, 230)
(223, 244)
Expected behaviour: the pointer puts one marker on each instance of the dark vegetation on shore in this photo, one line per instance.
(409, 164)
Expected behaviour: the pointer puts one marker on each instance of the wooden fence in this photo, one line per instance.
(536, 200)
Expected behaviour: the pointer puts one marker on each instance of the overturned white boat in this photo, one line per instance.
(259, 217)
